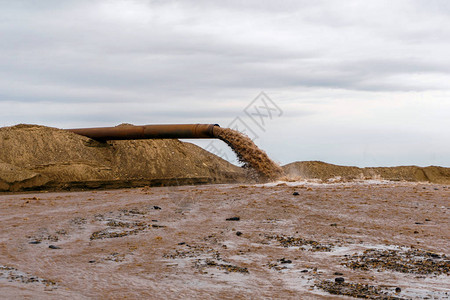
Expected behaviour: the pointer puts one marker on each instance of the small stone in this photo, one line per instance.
(238, 233)
(54, 247)
(427, 220)
(233, 219)
(304, 271)
(334, 224)
(285, 261)
(338, 273)
(34, 242)
(156, 207)
(398, 290)
(92, 261)
(339, 279)
(182, 243)
(418, 223)
(416, 232)
(295, 193)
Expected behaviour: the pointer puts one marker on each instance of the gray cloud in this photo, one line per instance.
(178, 46)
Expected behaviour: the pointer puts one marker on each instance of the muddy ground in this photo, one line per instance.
(289, 240)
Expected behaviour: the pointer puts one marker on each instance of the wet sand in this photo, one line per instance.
(228, 242)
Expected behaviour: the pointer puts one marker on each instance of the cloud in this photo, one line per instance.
(178, 46)
(67, 62)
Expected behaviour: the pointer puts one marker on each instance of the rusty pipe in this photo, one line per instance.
(133, 132)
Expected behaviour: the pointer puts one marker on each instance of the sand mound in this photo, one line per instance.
(324, 171)
(36, 157)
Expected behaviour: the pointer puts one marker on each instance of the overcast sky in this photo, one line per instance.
(363, 83)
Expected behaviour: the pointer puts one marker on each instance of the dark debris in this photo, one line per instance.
(357, 290)
(310, 245)
(405, 261)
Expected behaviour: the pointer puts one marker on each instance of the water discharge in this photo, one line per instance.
(249, 154)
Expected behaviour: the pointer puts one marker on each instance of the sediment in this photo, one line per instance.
(36, 157)
(249, 154)
(329, 172)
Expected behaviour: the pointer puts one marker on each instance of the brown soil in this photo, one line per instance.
(330, 172)
(249, 154)
(36, 157)
(294, 240)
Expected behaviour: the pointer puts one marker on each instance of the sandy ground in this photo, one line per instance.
(176, 242)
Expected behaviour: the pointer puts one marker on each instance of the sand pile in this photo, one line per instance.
(249, 154)
(325, 171)
(36, 157)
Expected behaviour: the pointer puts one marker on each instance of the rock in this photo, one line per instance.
(285, 261)
(338, 273)
(156, 207)
(398, 290)
(233, 219)
(295, 193)
(54, 247)
(339, 279)
(34, 242)
(238, 233)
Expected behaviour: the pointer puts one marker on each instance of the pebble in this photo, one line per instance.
(233, 219)
(398, 290)
(156, 207)
(295, 193)
(34, 242)
(339, 279)
(92, 261)
(54, 247)
(285, 261)
(238, 233)
(338, 273)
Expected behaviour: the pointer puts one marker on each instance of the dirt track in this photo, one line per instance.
(176, 242)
